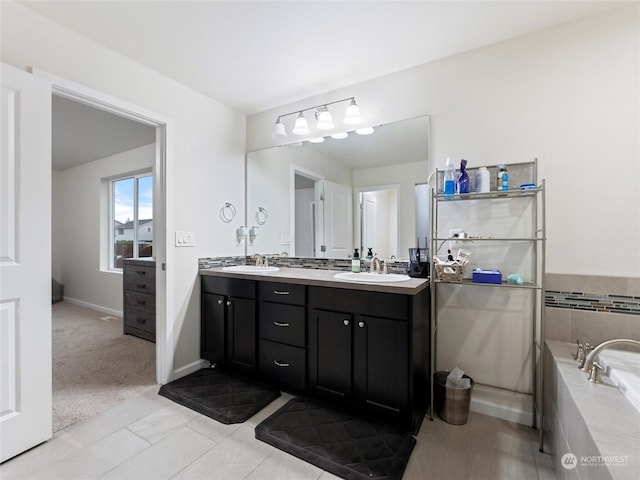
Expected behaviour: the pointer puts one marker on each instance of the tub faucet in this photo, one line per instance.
(591, 364)
(581, 354)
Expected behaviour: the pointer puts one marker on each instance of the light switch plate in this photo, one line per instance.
(185, 239)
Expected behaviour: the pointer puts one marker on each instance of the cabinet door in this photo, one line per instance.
(212, 325)
(381, 364)
(330, 354)
(241, 334)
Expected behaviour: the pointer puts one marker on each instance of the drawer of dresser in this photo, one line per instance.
(140, 283)
(282, 292)
(140, 319)
(283, 364)
(283, 323)
(137, 271)
(141, 301)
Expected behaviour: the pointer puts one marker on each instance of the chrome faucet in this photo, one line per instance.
(591, 364)
(581, 354)
(375, 265)
(259, 260)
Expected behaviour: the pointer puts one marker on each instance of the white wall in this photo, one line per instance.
(569, 95)
(80, 206)
(206, 161)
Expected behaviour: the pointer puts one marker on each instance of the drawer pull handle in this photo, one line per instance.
(141, 320)
(280, 364)
(220, 302)
(141, 272)
(141, 302)
(278, 324)
(141, 285)
(361, 324)
(346, 323)
(281, 292)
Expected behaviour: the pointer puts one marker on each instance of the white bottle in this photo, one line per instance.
(483, 180)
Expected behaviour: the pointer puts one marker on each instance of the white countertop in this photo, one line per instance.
(322, 278)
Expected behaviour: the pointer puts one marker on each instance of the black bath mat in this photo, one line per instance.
(225, 397)
(348, 446)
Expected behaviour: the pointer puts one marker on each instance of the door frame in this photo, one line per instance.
(161, 201)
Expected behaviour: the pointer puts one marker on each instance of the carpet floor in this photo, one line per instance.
(95, 366)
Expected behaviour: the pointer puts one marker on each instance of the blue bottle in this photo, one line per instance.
(449, 187)
(464, 185)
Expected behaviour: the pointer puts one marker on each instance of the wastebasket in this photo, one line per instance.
(451, 404)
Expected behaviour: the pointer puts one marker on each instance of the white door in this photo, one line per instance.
(369, 223)
(25, 262)
(337, 220)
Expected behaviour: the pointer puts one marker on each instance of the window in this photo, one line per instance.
(131, 235)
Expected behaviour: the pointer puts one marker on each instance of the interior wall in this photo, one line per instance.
(569, 95)
(205, 166)
(79, 217)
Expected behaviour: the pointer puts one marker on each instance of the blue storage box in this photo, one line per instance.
(487, 276)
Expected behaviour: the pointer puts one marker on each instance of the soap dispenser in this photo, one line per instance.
(355, 262)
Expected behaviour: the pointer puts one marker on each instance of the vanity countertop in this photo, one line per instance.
(323, 278)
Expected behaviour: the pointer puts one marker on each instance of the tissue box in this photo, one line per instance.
(487, 276)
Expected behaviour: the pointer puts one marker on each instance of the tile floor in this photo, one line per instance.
(150, 437)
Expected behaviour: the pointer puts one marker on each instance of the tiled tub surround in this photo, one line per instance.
(299, 262)
(592, 308)
(596, 423)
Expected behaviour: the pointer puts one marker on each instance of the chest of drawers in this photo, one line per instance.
(139, 298)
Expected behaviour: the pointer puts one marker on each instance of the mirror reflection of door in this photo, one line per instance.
(337, 221)
(305, 218)
(379, 221)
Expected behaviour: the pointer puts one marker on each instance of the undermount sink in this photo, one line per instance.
(249, 269)
(365, 277)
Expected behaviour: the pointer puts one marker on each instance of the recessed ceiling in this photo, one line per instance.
(257, 55)
(81, 134)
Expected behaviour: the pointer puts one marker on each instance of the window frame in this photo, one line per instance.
(112, 228)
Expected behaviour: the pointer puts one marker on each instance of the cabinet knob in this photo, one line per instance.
(361, 324)
(220, 302)
(228, 303)
(346, 322)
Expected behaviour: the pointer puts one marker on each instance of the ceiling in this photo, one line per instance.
(257, 55)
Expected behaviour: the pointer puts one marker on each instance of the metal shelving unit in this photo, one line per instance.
(519, 173)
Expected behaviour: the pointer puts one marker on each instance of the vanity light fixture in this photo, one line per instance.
(364, 131)
(301, 127)
(324, 120)
(352, 115)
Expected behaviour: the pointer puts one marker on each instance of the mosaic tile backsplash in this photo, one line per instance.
(298, 262)
(593, 302)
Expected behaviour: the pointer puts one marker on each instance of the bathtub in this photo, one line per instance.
(592, 431)
(623, 368)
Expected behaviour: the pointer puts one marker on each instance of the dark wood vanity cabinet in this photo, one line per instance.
(228, 323)
(366, 349)
(359, 349)
(139, 298)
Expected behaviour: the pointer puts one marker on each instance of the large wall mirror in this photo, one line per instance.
(325, 199)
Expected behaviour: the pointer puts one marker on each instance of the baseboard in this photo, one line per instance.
(511, 406)
(190, 368)
(99, 308)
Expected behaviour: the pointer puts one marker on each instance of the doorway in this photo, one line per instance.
(162, 133)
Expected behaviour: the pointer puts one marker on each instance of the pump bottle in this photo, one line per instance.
(449, 187)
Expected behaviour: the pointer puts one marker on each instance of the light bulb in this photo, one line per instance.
(301, 127)
(340, 135)
(352, 115)
(364, 131)
(315, 140)
(324, 119)
(278, 130)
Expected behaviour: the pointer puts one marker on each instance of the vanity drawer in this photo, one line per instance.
(283, 364)
(376, 304)
(140, 301)
(282, 292)
(230, 287)
(283, 323)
